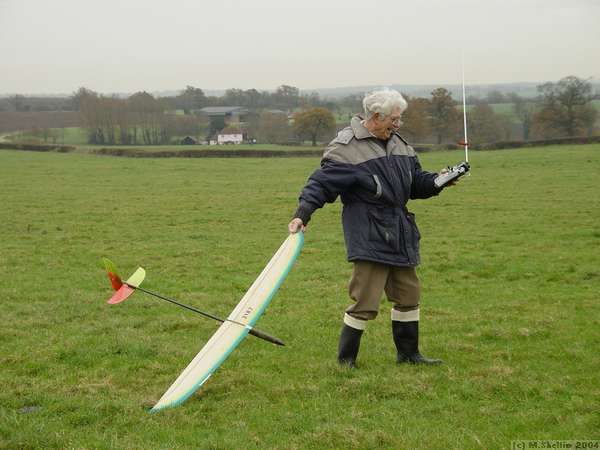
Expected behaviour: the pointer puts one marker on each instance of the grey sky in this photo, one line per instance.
(129, 45)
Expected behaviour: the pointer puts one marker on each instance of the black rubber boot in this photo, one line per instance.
(406, 338)
(349, 345)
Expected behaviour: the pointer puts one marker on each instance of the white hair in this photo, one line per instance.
(383, 102)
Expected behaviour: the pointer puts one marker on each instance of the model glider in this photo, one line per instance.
(230, 333)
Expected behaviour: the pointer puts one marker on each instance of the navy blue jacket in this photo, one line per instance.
(374, 185)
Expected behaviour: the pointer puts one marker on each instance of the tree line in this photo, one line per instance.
(138, 119)
(143, 119)
(562, 109)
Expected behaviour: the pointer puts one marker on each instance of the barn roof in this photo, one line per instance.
(222, 110)
(230, 130)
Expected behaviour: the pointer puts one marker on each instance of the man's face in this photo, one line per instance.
(384, 127)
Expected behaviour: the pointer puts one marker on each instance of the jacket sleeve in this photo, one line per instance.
(423, 183)
(324, 186)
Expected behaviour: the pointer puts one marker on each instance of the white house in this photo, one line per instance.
(230, 136)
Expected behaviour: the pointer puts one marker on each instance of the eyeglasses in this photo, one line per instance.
(396, 121)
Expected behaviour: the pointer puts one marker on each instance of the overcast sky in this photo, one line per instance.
(130, 45)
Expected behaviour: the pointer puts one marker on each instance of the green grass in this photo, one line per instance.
(72, 136)
(59, 136)
(510, 272)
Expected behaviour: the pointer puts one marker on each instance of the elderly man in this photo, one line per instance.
(375, 172)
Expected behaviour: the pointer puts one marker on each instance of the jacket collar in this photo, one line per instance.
(360, 131)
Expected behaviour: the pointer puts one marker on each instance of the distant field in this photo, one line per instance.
(78, 137)
(507, 109)
(510, 270)
(59, 136)
(71, 136)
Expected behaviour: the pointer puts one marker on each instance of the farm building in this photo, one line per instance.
(230, 135)
(188, 140)
(229, 114)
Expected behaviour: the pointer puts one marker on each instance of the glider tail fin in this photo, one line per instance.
(113, 275)
(122, 289)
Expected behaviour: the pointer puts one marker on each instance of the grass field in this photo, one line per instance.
(511, 283)
(60, 136)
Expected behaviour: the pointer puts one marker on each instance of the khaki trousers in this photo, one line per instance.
(369, 281)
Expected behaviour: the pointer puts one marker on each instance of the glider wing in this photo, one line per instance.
(230, 334)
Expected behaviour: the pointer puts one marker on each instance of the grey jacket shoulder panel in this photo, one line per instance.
(355, 152)
(347, 148)
(400, 146)
(336, 149)
(344, 136)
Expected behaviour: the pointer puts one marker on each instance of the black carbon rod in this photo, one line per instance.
(252, 331)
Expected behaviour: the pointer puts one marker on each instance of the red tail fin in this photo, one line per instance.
(113, 275)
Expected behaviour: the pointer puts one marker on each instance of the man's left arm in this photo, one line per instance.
(423, 183)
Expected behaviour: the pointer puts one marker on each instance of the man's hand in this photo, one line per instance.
(450, 183)
(296, 225)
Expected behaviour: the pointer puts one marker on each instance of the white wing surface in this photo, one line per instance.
(230, 334)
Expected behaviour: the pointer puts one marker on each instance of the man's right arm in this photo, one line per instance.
(323, 186)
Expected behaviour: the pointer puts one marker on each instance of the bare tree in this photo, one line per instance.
(191, 98)
(273, 128)
(445, 118)
(566, 106)
(524, 110)
(485, 125)
(286, 97)
(416, 122)
(17, 102)
(148, 113)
